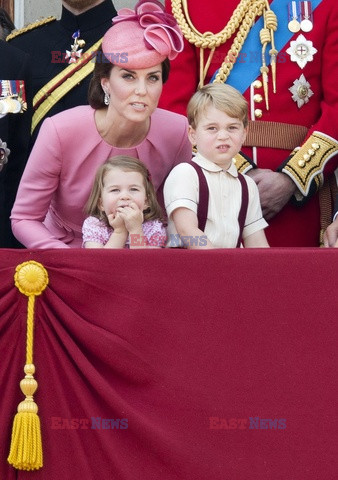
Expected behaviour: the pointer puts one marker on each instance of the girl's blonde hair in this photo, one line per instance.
(126, 164)
(223, 97)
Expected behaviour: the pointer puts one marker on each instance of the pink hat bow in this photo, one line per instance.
(161, 31)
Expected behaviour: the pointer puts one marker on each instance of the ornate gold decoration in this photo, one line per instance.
(242, 164)
(31, 278)
(30, 26)
(242, 20)
(309, 161)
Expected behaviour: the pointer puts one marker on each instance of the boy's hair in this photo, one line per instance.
(127, 164)
(223, 97)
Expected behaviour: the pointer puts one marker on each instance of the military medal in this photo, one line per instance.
(301, 51)
(12, 97)
(301, 91)
(293, 9)
(73, 54)
(306, 23)
(4, 152)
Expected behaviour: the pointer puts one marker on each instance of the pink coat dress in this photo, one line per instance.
(49, 208)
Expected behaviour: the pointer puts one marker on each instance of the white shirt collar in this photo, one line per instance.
(212, 167)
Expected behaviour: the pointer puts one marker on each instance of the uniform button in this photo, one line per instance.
(258, 98)
(257, 84)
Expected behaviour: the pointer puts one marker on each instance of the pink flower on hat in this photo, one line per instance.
(149, 21)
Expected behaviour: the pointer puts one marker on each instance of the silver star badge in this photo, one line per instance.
(73, 54)
(4, 152)
(301, 51)
(301, 91)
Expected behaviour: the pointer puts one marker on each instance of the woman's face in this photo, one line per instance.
(134, 94)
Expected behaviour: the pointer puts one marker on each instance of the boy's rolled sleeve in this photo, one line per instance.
(254, 219)
(181, 189)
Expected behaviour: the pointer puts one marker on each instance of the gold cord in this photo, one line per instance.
(242, 20)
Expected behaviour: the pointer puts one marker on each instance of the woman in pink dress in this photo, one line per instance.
(122, 118)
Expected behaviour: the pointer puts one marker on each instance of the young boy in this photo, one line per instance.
(218, 119)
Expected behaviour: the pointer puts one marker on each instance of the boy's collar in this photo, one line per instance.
(212, 167)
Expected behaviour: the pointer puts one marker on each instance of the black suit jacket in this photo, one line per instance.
(47, 45)
(15, 131)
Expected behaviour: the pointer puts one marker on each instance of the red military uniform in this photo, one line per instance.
(310, 71)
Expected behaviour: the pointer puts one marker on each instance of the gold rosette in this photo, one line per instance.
(31, 278)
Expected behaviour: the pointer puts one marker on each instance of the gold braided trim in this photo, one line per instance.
(53, 95)
(208, 39)
(242, 20)
(310, 160)
(242, 164)
(213, 40)
(30, 26)
(284, 136)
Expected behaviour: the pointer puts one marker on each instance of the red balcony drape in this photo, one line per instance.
(177, 364)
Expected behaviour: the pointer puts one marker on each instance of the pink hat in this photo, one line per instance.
(142, 38)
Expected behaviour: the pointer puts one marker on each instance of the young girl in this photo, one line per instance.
(123, 208)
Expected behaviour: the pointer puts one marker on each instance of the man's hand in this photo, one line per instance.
(331, 235)
(275, 190)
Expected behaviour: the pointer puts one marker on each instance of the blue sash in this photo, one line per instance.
(248, 63)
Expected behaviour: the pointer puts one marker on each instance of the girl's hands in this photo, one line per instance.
(116, 221)
(131, 216)
(126, 220)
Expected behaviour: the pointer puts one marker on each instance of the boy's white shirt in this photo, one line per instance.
(181, 189)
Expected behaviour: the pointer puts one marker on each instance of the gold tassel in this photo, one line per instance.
(265, 38)
(271, 24)
(31, 278)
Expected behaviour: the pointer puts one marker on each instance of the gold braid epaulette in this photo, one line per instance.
(29, 27)
(308, 163)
